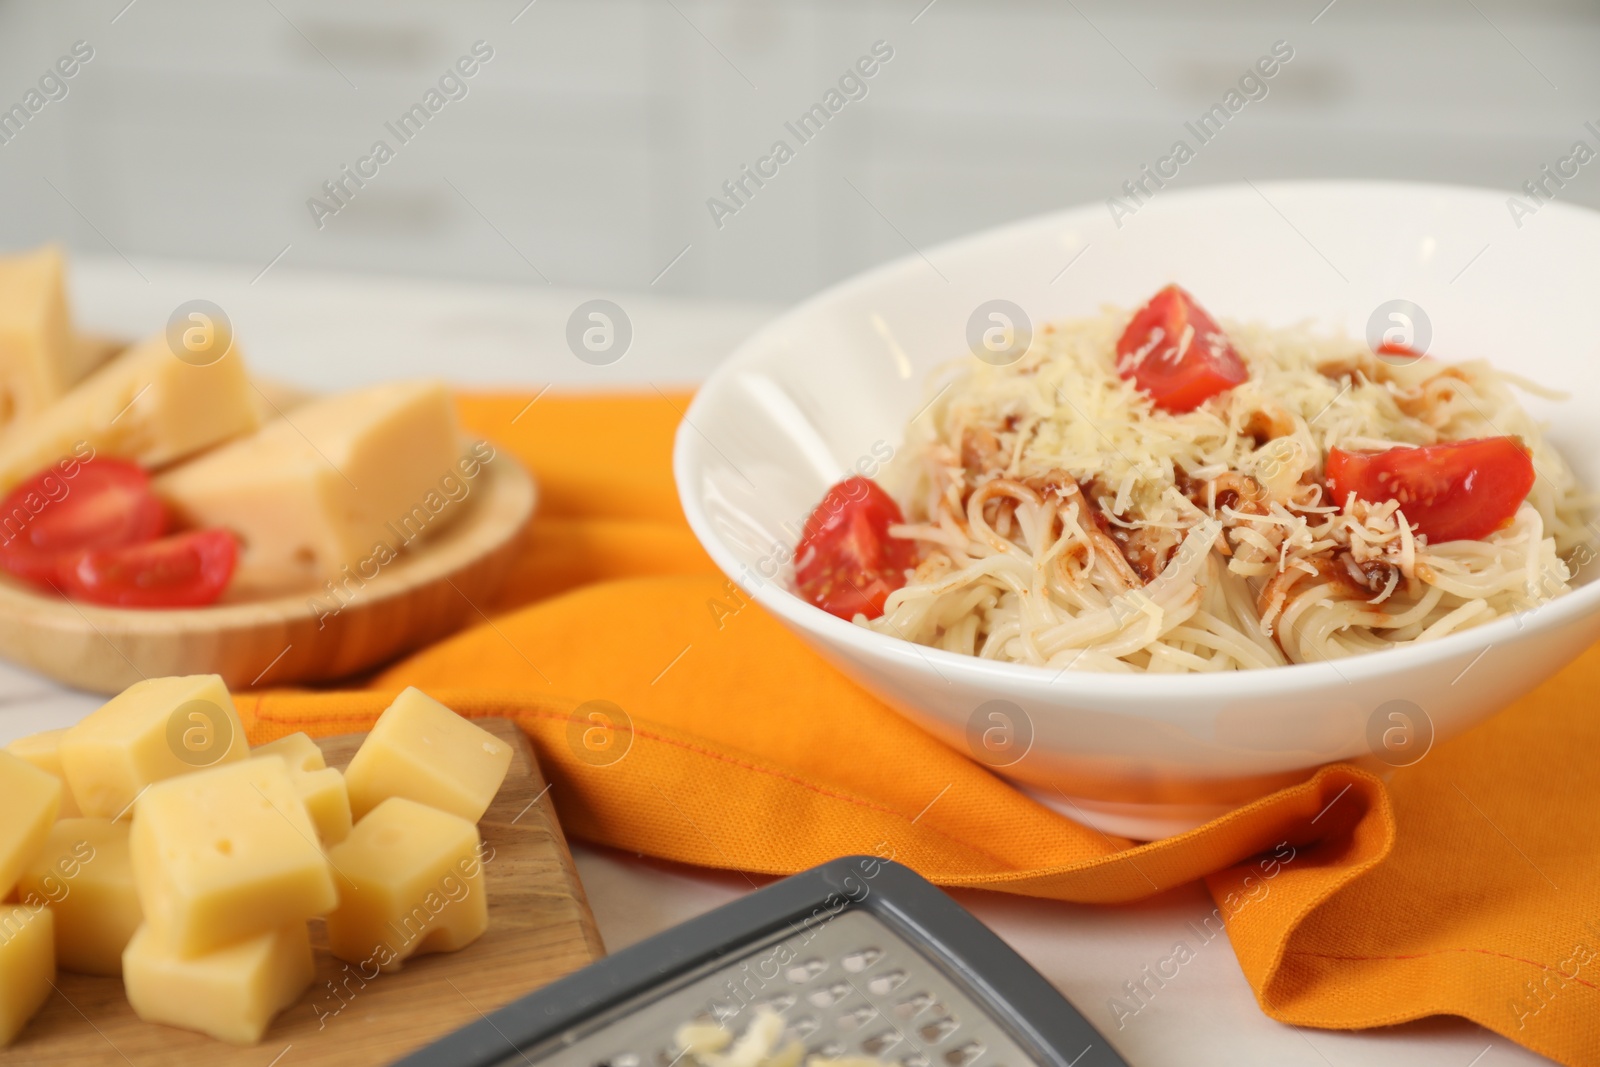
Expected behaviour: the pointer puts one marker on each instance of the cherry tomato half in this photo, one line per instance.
(1455, 491)
(185, 571)
(1177, 354)
(106, 503)
(846, 562)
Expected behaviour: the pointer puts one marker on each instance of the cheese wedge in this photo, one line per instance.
(27, 966)
(43, 750)
(225, 854)
(40, 359)
(146, 405)
(153, 730)
(320, 786)
(422, 750)
(85, 876)
(410, 882)
(29, 800)
(336, 487)
(231, 994)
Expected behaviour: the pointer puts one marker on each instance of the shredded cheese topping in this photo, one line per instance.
(761, 1045)
(1066, 522)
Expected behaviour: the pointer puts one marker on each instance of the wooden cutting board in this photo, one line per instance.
(540, 929)
(286, 639)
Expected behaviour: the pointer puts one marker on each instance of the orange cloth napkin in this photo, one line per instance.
(675, 719)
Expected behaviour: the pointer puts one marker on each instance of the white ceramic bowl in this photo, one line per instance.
(834, 381)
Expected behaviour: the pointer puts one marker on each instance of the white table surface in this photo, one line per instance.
(330, 331)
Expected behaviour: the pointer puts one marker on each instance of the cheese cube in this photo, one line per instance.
(231, 994)
(410, 882)
(146, 405)
(225, 854)
(299, 752)
(153, 730)
(320, 786)
(29, 801)
(421, 749)
(27, 966)
(39, 357)
(43, 750)
(84, 874)
(344, 481)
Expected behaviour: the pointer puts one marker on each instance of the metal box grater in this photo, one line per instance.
(860, 956)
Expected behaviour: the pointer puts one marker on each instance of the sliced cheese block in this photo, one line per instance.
(40, 359)
(155, 729)
(29, 800)
(95, 349)
(146, 405)
(320, 786)
(334, 489)
(421, 749)
(225, 854)
(27, 966)
(43, 750)
(410, 882)
(231, 994)
(84, 874)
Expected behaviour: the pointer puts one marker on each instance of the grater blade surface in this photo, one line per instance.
(845, 986)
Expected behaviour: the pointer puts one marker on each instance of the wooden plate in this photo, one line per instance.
(425, 594)
(540, 928)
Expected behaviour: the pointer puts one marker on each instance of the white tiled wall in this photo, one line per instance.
(587, 147)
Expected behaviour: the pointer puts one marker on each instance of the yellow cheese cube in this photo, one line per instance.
(146, 405)
(345, 481)
(39, 357)
(29, 801)
(84, 874)
(421, 749)
(410, 882)
(299, 752)
(320, 786)
(155, 729)
(231, 994)
(27, 966)
(43, 750)
(225, 854)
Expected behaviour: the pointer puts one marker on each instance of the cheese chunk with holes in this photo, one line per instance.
(153, 730)
(27, 966)
(40, 358)
(146, 405)
(320, 786)
(343, 481)
(29, 801)
(299, 752)
(231, 994)
(410, 882)
(422, 750)
(226, 853)
(43, 750)
(84, 874)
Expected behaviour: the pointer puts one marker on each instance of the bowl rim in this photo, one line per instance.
(773, 595)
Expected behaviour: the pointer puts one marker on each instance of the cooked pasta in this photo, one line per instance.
(1064, 521)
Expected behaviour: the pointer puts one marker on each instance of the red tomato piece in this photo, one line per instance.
(1177, 354)
(1455, 491)
(846, 562)
(106, 503)
(185, 571)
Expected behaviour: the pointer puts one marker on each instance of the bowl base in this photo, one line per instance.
(1141, 822)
